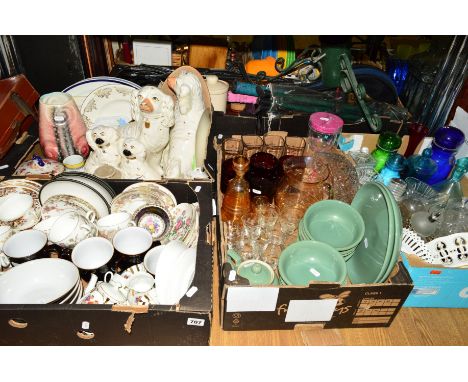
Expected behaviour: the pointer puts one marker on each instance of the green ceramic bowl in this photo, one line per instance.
(335, 223)
(306, 261)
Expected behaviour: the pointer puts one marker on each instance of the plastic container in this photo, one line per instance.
(324, 130)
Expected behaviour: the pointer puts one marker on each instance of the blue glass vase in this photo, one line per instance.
(444, 147)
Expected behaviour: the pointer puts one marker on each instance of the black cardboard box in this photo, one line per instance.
(187, 323)
(244, 307)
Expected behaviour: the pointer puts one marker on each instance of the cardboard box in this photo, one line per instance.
(245, 307)
(187, 323)
(436, 286)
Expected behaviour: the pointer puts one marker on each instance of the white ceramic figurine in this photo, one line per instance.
(188, 140)
(153, 111)
(134, 164)
(105, 142)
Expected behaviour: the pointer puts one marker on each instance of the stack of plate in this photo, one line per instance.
(81, 186)
(376, 256)
(174, 272)
(42, 281)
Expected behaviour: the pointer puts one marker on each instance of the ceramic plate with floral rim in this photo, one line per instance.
(82, 89)
(31, 167)
(59, 204)
(192, 238)
(133, 200)
(182, 222)
(25, 183)
(167, 198)
(108, 105)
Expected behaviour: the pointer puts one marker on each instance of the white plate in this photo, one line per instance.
(86, 178)
(181, 277)
(38, 281)
(167, 269)
(75, 188)
(82, 89)
(108, 105)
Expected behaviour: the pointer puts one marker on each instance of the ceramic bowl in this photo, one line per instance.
(306, 261)
(155, 219)
(335, 223)
(39, 281)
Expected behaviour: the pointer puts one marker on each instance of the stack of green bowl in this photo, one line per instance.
(335, 223)
(306, 261)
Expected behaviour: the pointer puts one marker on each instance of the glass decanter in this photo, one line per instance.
(236, 201)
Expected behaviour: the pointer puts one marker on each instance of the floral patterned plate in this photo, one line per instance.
(183, 220)
(31, 167)
(108, 105)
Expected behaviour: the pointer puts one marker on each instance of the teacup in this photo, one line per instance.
(46, 225)
(71, 228)
(131, 243)
(14, 205)
(25, 246)
(109, 225)
(92, 256)
(74, 162)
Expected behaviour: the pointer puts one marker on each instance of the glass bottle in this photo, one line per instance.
(394, 165)
(421, 167)
(236, 201)
(417, 131)
(387, 144)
